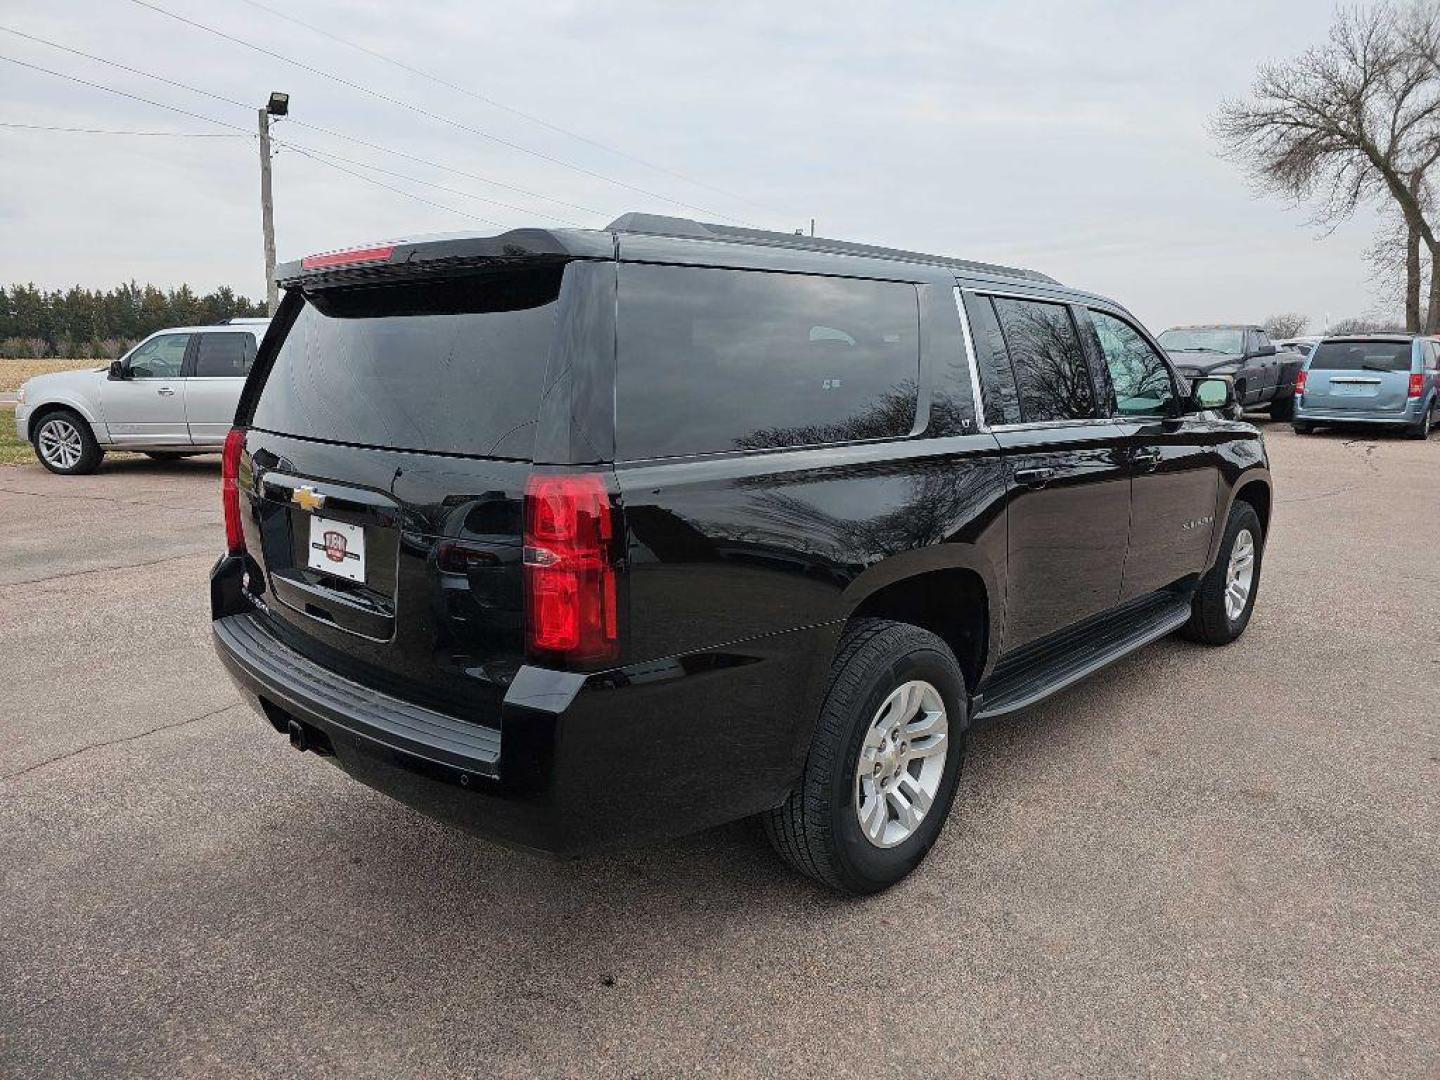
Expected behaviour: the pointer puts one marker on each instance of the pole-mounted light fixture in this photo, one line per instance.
(279, 104)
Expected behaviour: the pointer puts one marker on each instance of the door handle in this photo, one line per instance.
(1147, 459)
(165, 391)
(1034, 478)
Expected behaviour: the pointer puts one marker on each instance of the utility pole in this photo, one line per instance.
(278, 105)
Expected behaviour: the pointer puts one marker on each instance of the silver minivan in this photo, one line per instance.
(1388, 379)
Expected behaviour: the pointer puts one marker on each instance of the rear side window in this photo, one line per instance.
(453, 366)
(711, 360)
(224, 356)
(1051, 375)
(1361, 356)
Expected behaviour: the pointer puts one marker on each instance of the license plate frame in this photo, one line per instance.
(336, 548)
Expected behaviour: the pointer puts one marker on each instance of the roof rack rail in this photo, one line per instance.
(685, 228)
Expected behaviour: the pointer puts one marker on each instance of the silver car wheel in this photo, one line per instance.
(59, 443)
(1239, 575)
(902, 761)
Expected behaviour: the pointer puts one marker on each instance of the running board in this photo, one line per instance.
(1038, 670)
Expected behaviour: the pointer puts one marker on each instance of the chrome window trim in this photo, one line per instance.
(975, 393)
(1036, 425)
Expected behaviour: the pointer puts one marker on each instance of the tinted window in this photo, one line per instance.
(1049, 362)
(159, 358)
(1361, 356)
(1139, 375)
(224, 356)
(453, 366)
(992, 361)
(713, 360)
(1200, 339)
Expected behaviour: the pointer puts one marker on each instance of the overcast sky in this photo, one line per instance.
(1064, 136)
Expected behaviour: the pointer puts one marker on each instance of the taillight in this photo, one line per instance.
(570, 608)
(1300, 384)
(1417, 384)
(230, 490)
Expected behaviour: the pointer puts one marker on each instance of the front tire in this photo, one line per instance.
(883, 764)
(65, 444)
(1225, 597)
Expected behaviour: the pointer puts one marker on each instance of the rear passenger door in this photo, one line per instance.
(1066, 464)
(222, 359)
(1175, 470)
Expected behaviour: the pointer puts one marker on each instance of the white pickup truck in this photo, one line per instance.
(173, 394)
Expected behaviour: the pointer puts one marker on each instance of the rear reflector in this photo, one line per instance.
(346, 258)
(1417, 384)
(230, 490)
(570, 607)
(1300, 384)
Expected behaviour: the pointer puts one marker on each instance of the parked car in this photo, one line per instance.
(1385, 379)
(172, 394)
(1263, 375)
(575, 538)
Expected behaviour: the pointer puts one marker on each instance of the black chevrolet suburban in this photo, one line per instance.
(579, 537)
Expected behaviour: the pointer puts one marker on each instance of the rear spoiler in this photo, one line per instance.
(418, 258)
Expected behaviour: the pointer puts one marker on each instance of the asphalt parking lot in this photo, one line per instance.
(1201, 862)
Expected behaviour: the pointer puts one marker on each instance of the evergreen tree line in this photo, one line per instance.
(90, 324)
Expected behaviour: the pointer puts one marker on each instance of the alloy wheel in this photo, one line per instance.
(1239, 575)
(59, 443)
(902, 761)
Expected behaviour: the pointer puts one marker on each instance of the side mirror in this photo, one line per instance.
(1268, 349)
(117, 370)
(1211, 393)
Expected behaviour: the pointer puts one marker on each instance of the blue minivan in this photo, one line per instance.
(1390, 379)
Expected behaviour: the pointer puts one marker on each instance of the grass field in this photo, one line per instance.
(14, 372)
(12, 450)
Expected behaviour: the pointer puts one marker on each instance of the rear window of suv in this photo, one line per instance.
(1361, 356)
(452, 366)
(711, 360)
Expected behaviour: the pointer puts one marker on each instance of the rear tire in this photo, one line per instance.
(1283, 408)
(891, 683)
(1422, 429)
(1302, 428)
(65, 444)
(1219, 613)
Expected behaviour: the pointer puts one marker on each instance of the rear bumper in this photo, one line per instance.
(573, 762)
(1410, 414)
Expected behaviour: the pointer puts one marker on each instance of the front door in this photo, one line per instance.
(222, 360)
(1067, 474)
(147, 407)
(1175, 473)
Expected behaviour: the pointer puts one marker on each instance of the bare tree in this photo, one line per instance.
(1355, 119)
(1367, 326)
(1286, 325)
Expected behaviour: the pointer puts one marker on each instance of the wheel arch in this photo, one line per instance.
(956, 599)
(63, 404)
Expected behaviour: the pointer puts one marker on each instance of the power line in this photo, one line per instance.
(423, 111)
(300, 123)
(310, 151)
(493, 103)
(221, 123)
(398, 191)
(111, 131)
